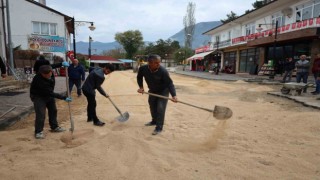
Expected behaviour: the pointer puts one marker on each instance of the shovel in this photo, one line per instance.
(123, 117)
(219, 112)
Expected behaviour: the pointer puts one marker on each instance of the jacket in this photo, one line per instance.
(316, 66)
(76, 72)
(157, 81)
(289, 65)
(302, 66)
(94, 81)
(42, 87)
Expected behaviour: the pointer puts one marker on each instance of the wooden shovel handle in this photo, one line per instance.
(164, 97)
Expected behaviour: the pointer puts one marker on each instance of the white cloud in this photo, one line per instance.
(155, 19)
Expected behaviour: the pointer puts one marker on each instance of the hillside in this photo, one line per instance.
(199, 39)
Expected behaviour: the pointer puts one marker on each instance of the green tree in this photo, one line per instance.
(162, 47)
(230, 17)
(181, 54)
(131, 41)
(117, 53)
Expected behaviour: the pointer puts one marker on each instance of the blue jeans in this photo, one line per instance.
(158, 108)
(304, 77)
(76, 82)
(318, 85)
(287, 74)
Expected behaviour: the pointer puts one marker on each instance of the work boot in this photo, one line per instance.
(99, 123)
(151, 123)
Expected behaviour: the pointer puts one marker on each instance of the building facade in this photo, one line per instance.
(268, 35)
(34, 26)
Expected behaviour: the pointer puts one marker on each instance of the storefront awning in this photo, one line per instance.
(199, 56)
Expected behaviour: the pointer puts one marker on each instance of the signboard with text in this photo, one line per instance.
(46, 43)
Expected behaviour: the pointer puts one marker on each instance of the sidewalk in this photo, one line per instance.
(20, 100)
(17, 104)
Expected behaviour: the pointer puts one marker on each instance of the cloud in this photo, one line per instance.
(155, 19)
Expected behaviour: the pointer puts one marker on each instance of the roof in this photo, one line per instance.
(104, 59)
(67, 19)
(126, 60)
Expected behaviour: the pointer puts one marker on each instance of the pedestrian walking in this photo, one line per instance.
(303, 70)
(43, 97)
(159, 82)
(316, 74)
(92, 83)
(289, 66)
(76, 76)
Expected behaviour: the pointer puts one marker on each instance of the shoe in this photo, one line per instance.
(89, 120)
(99, 123)
(79, 95)
(58, 129)
(315, 93)
(151, 123)
(156, 131)
(39, 135)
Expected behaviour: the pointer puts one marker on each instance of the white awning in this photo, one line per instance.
(199, 56)
(106, 61)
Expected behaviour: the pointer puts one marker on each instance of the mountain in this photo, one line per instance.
(198, 39)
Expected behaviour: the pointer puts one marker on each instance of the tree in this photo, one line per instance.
(182, 54)
(258, 4)
(189, 22)
(131, 41)
(162, 47)
(117, 53)
(230, 17)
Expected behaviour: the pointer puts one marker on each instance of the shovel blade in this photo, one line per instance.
(222, 113)
(124, 117)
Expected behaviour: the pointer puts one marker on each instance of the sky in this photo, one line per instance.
(155, 19)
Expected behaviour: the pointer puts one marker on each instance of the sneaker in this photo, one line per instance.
(58, 129)
(156, 131)
(151, 123)
(99, 123)
(39, 135)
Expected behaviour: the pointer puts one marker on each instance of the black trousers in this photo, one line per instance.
(40, 104)
(91, 107)
(158, 108)
(76, 82)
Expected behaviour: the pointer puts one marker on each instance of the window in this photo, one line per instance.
(42, 28)
(250, 28)
(307, 10)
(278, 17)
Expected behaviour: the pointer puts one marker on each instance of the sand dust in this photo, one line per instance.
(266, 138)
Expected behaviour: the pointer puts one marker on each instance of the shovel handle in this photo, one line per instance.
(115, 106)
(164, 97)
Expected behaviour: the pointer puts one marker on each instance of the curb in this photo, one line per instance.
(294, 98)
(15, 118)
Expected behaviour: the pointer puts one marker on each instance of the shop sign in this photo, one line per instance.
(47, 43)
(203, 49)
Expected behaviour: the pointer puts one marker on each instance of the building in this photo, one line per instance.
(96, 61)
(265, 37)
(34, 26)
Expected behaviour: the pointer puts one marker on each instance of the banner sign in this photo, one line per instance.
(47, 43)
(308, 23)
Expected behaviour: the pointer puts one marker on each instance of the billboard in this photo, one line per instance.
(47, 43)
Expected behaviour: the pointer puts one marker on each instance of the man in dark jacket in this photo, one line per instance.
(93, 82)
(159, 82)
(43, 96)
(3, 69)
(76, 74)
(316, 74)
(289, 66)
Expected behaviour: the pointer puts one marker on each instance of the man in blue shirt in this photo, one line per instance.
(76, 74)
(159, 82)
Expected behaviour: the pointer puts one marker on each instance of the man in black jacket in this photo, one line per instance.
(43, 96)
(159, 82)
(289, 66)
(93, 82)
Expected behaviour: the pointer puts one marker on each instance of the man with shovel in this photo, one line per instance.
(159, 82)
(92, 83)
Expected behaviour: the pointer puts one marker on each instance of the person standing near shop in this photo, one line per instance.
(316, 74)
(303, 70)
(76, 75)
(289, 66)
(159, 82)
